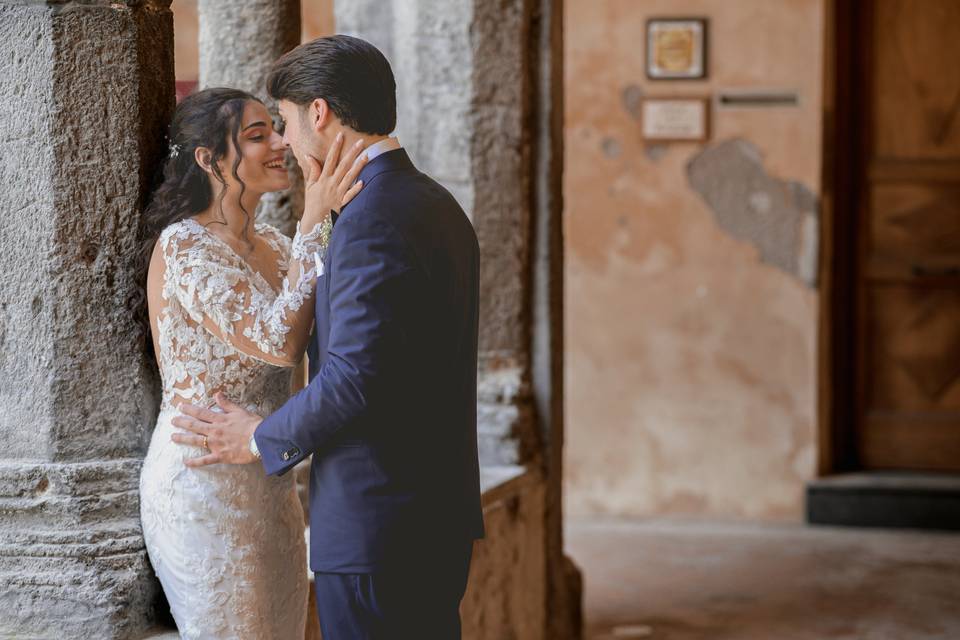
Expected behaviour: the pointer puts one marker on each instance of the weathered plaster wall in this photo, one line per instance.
(691, 312)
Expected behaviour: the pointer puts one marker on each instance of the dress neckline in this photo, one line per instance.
(207, 233)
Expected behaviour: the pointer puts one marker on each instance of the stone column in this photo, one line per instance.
(86, 91)
(466, 83)
(463, 115)
(239, 40)
(480, 109)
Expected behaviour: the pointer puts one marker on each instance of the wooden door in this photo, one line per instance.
(908, 275)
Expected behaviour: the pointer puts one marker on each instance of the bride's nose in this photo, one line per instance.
(277, 142)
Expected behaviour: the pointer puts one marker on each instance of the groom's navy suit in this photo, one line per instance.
(389, 414)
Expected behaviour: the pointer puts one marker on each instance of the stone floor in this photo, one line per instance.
(670, 580)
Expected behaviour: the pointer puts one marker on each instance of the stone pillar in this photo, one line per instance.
(463, 115)
(480, 108)
(239, 40)
(86, 91)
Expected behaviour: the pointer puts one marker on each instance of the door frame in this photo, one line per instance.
(839, 397)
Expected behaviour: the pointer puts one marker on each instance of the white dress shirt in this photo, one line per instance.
(381, 147)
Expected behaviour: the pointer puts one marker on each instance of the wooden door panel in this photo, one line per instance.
(916, 78)
(917, 443)
(914, 351)
(914, 231)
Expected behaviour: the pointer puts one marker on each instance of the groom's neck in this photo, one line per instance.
(350, 137)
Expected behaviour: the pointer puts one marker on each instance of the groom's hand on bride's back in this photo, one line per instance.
(225, 435)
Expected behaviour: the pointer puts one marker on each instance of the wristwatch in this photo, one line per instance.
(254, 449)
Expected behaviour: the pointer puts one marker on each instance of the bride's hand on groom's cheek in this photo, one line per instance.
(226, 435)
(331, 184)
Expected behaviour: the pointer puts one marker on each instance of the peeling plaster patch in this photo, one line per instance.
(760, 202)
(611, 147)
(632, 94)
(809, 242)
(655, 151)
(806, 199)
(779, 217)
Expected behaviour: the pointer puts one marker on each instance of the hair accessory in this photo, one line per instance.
(175, 150)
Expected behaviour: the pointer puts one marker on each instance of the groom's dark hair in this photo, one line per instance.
(349, 73)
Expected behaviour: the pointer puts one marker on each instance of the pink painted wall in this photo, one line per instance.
(690, 365)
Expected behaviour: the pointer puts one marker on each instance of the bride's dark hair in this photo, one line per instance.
(210, 118)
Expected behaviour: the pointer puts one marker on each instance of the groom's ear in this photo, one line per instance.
(319, 114)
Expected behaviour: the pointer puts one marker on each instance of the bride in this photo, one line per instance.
(231, 307)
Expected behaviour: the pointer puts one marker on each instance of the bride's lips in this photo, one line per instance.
(276, 164)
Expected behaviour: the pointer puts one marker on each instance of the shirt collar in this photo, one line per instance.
(381, 147)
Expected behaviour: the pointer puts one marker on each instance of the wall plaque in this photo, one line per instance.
(675, 119)
(676, 48)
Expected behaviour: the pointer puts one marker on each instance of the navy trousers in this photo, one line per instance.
(417, 599)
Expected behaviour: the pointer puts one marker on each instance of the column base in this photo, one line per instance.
(72, 556)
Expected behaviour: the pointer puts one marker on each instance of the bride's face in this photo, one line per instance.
(263, 167)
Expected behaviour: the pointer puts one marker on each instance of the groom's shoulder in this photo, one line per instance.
(395, 192)
(411, 191)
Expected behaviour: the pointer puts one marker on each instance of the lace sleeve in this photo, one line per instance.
(215, 289)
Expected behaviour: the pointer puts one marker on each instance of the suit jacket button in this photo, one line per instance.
(286, 455)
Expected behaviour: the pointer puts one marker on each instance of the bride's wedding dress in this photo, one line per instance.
(227, 542)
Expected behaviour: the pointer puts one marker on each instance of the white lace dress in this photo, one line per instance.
(227, 542)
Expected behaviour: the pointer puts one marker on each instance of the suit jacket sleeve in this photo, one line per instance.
(369, 270)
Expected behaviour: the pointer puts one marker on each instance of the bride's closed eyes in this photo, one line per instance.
(258, 134)
(256, 129)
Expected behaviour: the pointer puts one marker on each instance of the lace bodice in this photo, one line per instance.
(222, 325)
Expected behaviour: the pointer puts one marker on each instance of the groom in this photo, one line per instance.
(389, 415)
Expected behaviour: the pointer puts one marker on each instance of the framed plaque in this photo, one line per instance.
(675, 119)
(677, 48)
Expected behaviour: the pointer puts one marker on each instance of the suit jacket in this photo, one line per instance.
(390, 413)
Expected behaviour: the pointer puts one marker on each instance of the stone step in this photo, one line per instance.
(886, 499)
